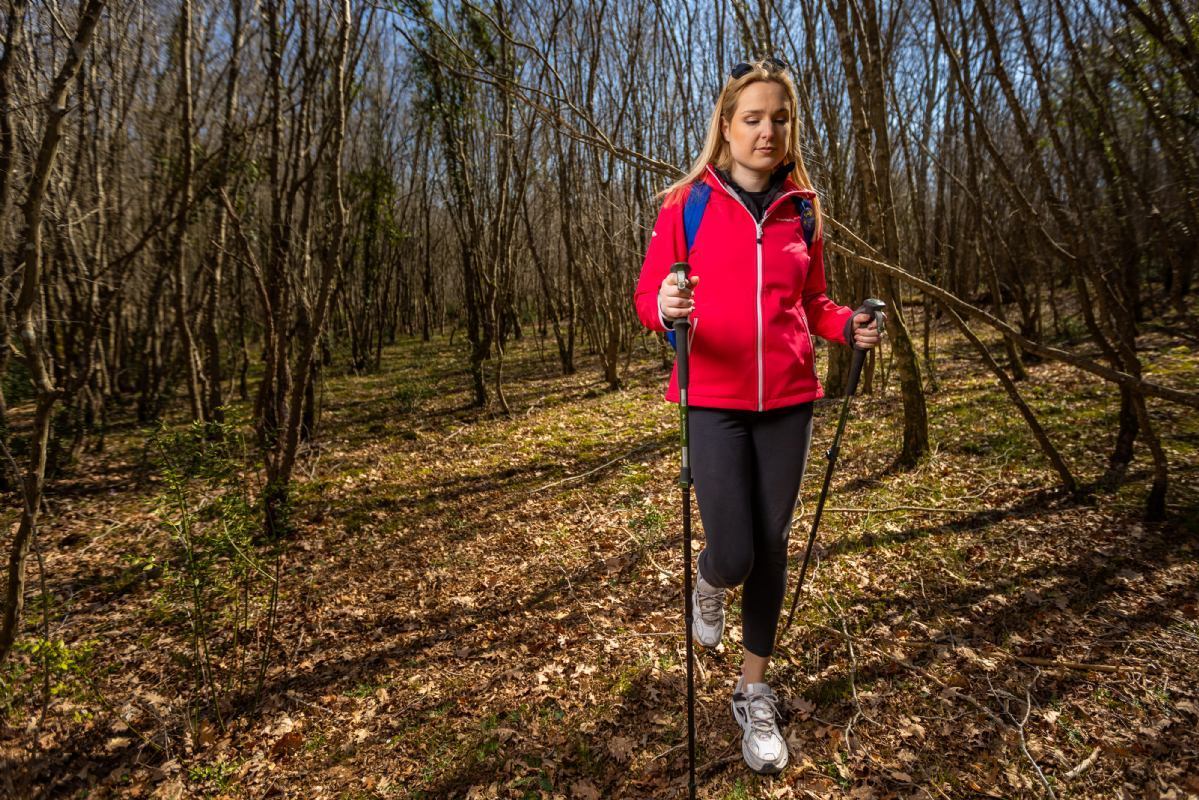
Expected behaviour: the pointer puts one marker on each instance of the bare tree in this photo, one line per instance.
(863, 58)
(33, 352)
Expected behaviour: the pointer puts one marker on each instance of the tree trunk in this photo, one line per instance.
(30, 264)
(873, 157)
(191, 357)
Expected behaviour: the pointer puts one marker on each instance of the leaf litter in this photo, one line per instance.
(481, 606)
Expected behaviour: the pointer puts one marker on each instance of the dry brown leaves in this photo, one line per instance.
(489, 607)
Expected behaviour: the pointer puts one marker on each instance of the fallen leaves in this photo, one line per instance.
(169, 790)
(463, 638)
(584, 790)
(800, 708)
(287, 744)
(622, 748)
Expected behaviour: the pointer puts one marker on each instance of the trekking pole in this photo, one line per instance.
(874, 308)
(681, 327)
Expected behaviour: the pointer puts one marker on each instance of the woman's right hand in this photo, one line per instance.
(673, 302)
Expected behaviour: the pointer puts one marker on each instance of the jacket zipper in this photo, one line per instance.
(761, 364)
(758, 296)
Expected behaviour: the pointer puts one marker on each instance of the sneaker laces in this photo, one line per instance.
(710, 605)
(762, 711)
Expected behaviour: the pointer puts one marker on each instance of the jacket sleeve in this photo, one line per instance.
(667, 244)
(825, 318)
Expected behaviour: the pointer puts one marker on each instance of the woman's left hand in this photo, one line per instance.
(866, 336)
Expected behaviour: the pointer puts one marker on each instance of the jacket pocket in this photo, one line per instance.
(808, 340)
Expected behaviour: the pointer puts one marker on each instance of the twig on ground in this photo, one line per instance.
(946, 689)
(294, 696)
(1049, 662)
(717, 763)
(668, 751)
(569, 478)
(940, 791)
(1083, 765)
(1019, 728)
(570, 587)
(951, 573)
(661, 571)
(853, 671)
(111, 709)
(896, 509)
(309, 465)
(953, 692)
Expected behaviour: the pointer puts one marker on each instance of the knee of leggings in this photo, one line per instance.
(730, 570)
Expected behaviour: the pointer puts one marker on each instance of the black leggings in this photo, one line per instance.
(747, 467)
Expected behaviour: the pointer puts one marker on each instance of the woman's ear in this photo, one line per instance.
(724, 130)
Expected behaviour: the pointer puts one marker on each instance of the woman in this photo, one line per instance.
(755, 296)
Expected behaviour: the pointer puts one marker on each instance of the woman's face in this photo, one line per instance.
(759, 129)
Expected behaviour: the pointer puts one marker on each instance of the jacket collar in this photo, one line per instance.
(774, 186)
(719, 179)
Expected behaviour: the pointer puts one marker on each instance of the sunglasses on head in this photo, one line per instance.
(771, 64)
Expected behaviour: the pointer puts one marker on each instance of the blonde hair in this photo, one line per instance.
(716, 149)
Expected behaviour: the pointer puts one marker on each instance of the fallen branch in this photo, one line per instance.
(953, 692)
(877, 264)
(295, 697)
(717, 763)
(894, 509)
(957, 577)
(1019, 728)
(853, 671)
(668, 751)
(569, 478)
(1083, 765)
(1078, 665)
(942, 685)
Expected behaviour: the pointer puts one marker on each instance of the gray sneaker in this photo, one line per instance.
(707, 623)
(762, 744)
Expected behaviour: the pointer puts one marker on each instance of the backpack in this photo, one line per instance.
(697, 203)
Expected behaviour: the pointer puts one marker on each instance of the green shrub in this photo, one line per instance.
(219, 583)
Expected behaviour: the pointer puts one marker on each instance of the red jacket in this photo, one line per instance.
(760, 298)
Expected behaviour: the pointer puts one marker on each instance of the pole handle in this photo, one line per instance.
(680, 270)
(874, 307)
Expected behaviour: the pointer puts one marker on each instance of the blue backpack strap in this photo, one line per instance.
(693, 214)
(807, 218)
(693, 211)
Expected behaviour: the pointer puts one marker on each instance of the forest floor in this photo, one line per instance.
(489, 606)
